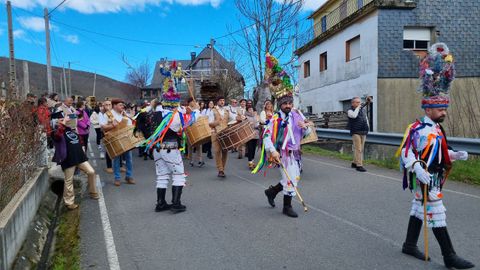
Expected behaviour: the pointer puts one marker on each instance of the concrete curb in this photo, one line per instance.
(15, 219)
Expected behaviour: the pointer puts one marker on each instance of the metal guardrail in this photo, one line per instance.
(472, 146)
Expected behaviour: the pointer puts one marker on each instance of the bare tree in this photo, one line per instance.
(267, 26)
(138, 75)
(230, 86)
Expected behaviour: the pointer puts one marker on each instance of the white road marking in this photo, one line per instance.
(107, 230)
(340, 219)
(388, 177)
(94, 161)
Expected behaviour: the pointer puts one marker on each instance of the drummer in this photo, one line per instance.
(111, 121)
(193, 109)
(219, 119)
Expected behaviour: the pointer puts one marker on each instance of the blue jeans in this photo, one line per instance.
(116, 165)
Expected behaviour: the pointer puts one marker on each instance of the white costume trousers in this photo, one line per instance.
(292, 166)
(169, 163)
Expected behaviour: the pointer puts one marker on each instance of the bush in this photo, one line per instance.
(20, 145)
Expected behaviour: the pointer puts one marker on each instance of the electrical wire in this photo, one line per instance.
(63, 2)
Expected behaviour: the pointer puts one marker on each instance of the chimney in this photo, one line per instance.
(193, 55)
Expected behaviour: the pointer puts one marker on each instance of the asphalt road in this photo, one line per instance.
(355, 221)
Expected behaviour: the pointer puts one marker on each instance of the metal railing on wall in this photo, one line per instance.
(345, 10)
(472, 146)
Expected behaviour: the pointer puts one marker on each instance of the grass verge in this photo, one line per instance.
(463, 171)
(67, 245)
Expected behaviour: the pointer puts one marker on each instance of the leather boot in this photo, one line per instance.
(450, 258)
(177, 206)
(272, 192)
(162, 205)
(287, 207)
(410, 244)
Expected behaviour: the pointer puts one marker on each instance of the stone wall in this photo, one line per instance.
(398, 105)
(457, 23)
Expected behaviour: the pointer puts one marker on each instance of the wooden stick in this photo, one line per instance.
(425, 228)
(305, 209)
(425, 200)
(191, 88)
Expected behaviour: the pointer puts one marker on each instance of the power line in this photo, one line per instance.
(34, 40)
(113, 36)
(63, 2)
(125, 38)
(54, 42)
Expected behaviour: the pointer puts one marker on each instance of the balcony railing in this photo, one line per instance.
(345, 10)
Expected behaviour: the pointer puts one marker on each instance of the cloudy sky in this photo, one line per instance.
(83, 31)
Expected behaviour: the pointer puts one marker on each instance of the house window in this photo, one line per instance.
(324, 23)
(306, 69)
(416, 38)
(323, 61)
(352, 49)
(310, 110)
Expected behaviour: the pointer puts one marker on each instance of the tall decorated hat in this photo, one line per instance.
(437, 71)
(278, 80)
(171, 72)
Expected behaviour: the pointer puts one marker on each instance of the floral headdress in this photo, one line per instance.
(437, 71)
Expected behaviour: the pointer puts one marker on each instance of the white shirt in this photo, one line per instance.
(205, 112)
(176, 125)
(103, 120)
(232, 109)
(221, 111)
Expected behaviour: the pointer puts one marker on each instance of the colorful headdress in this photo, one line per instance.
(437, 71)
(173, 73)
(279, 82)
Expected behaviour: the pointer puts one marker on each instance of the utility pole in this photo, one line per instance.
(26, 80)
(12, 92)
(212, 42)
(61, 88)
(65, 82)
(69, 77)
(94, 82)
(47, 45)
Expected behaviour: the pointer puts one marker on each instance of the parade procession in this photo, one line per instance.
(320, 134)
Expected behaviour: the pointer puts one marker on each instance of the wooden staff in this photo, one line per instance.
(305, 209)
(191, 83)
(425, 197)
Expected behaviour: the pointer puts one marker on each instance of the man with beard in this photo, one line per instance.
(425, 142)
(282, 138)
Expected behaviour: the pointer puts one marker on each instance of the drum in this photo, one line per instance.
(235, 135)
(312, 137)
(199, 133)
(121, 140)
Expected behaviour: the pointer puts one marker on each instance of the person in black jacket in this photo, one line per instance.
(358, 125)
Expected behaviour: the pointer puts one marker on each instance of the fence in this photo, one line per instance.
(22, 146)
(472, 146)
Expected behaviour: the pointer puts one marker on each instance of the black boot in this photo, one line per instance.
(162, 205)
(272, 192)
(287, 206)
(177, 206)
(410, 245)
(450, 258)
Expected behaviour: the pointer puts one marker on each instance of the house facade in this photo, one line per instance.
(210, 80)
(373, 47)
